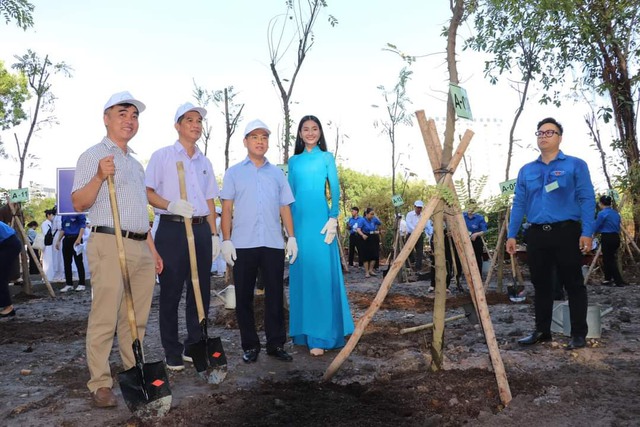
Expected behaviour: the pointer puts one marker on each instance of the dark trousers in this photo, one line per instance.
(478, 249)
(449, 259)
(171, 244)
(610, 244)
(9, 250)
(33, 268)
(355, 245)
(270, 261)
(69, 255)
(557, 246)
(419, 250)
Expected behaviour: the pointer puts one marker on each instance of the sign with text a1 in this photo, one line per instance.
(460, 101)
(397, 200)
(19, 195)
(508, 187)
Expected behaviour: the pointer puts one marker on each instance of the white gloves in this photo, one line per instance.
(181, 207)
(330, 230)
(215, 247)
(229, 252)
(292, 249)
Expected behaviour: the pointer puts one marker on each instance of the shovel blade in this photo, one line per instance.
(146, 391)
(209, 357)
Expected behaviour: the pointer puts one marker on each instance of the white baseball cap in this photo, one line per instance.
(256, 124)
(185, 108)
(124, 98)
(418, 204)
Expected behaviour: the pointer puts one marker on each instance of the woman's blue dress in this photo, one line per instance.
(319, 314)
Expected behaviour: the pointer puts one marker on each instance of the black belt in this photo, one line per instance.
(127, 234)
(554, 225)
(196, 220)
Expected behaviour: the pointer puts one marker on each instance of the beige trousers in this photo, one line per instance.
(108, 306)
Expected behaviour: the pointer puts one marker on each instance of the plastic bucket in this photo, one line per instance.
(558, 316)
(594, 316)
(230, 297)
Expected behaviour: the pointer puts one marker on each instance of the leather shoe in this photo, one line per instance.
(535, 337)
(9, 314)
(576, 342)
(104, 398)
(251, 355)
(280, 354)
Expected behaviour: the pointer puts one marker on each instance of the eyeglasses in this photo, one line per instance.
(547, 133)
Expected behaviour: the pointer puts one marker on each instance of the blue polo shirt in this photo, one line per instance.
(5, 231)
(71, 224)
(257, 194)
(354, 223)
(608, 221)
(475, 222)
(559, 191)
(370, 225)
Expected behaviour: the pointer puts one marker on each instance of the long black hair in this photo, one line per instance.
(299, 147)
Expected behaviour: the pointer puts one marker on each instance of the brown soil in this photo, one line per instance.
(386, 381)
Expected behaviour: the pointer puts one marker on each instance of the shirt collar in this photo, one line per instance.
(560, 156)
(247, 160)
(180, 149)
(112, 145)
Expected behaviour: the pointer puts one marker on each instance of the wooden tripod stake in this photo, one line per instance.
(466, 254)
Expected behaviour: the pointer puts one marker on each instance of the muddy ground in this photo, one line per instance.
(385, 382)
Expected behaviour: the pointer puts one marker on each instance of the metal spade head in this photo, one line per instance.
(209, 359)
(145, 389)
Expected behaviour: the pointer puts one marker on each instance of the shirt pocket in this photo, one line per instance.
(533, 180)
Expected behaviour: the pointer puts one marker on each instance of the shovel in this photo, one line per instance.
(208, 354)
(145, 386)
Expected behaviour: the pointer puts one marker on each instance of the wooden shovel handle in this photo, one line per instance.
(131, 315)
(191, 243)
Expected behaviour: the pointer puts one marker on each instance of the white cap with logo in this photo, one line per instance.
(256, 124)
(185, 108)
(124, 98)
(418, 204)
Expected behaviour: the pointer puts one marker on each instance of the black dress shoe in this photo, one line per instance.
(251, 355)
(280, 354)
(535, 337)
(9, 314)
(576, 342)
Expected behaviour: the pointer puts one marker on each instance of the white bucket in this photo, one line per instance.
(594, 315)
(557, 319)
(230, 297)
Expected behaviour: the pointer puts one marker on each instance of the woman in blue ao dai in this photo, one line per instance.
(319, 315)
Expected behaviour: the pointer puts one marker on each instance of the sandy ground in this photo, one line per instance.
(386, 381)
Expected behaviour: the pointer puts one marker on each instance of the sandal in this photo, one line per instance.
(316, 352)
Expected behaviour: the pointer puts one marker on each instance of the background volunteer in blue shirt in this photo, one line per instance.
(608, 225)
(355, 241)
(9, 250)
(556, 195)
(71, 236)
(477, 226)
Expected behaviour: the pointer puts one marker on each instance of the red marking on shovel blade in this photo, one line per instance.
(157, 383)
(217, 354)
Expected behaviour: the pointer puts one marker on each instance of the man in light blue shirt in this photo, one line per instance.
(255, 197)
(556, 195)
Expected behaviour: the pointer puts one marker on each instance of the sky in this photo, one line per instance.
(157, 49)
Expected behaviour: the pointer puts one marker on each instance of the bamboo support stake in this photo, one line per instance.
(592, 265)
(52, 294)
(430, 325)
(501, 234)
(432, 143)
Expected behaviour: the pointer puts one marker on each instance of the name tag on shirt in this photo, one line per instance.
(550, 187)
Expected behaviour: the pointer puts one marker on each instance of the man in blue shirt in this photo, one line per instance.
(255, 197)
(355, 241)
(71, 236)
(556, 195)
(608, 225)
(477, 226)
